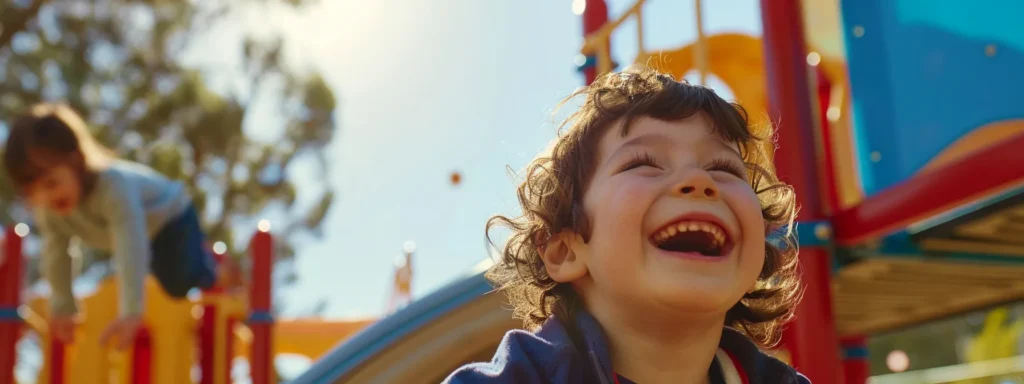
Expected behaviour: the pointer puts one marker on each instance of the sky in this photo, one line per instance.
(430, 87)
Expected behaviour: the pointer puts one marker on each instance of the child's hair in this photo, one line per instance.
(551, 197)
(48, 135)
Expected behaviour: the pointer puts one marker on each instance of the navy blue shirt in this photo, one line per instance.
(714, 375)
(550, 355)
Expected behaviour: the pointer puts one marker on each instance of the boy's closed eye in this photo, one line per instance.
(720, 164)
(728, 166)
(638, 160)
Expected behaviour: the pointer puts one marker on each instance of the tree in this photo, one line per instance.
(118, 62)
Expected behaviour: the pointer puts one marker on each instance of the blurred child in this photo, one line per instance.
(641, 253)
(77, 188)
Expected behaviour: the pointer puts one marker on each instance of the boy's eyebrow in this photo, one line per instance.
(653, 139)
(647, 140)
(725, 144)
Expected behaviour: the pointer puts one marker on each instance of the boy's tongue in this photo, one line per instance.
(692, 242)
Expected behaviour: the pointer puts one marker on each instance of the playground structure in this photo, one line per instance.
(900, 130)
(225, 323)
(901, 133)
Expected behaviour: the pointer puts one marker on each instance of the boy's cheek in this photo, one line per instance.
(747, 207)
(744, 199)
(34, 198)
(635, 192)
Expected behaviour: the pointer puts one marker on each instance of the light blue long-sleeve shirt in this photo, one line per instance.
(129, 204)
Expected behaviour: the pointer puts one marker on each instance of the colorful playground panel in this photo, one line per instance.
(930, 76)
(937, 126)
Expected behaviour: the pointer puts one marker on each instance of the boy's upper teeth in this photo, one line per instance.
(686, 226)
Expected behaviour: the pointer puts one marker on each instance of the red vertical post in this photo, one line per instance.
(260, 320)
(207, 331)
(856, 368)
(595, 15)
(229, 350)
(56, 361)
(11, 272)
(829, 184)
(142, 357)
(811, 339)
(207, 355)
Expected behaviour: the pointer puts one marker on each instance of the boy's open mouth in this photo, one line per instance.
(63, 204)
(693, 236)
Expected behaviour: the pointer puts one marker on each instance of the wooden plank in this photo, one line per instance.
(876, 322)
(883, 294)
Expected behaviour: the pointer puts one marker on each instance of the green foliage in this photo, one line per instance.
(118, 62)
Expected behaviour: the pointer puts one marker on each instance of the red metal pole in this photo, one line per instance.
(595, 15)
(811, 338)
(856, 368)
(229, 350)
(928, 193)
(56, 361)
(207, 327)
(260, 320)
(11, 272)
(207, 331)
(142, 357)
(829, 184)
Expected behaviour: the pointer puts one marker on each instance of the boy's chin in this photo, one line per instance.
(698, 296)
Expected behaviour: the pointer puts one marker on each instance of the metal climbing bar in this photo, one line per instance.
(11, 267)
(260, 320)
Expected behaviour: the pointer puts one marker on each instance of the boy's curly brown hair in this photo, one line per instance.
(551, 196)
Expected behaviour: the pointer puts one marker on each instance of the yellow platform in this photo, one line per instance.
(173, 326)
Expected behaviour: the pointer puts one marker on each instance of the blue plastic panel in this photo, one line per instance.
(924, 73)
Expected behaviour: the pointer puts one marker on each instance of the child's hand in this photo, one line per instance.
(123, 330)
(63, 328)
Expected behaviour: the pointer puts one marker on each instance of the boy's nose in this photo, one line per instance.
(697, 185)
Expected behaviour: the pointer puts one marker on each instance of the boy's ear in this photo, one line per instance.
(560, 258)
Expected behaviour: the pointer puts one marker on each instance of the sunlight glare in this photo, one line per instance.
(897, 361)
(578, 6)
(21, 229)
(813, 59)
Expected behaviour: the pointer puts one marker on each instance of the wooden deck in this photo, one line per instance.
(883, 294)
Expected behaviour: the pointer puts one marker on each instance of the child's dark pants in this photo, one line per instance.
(180, 259)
